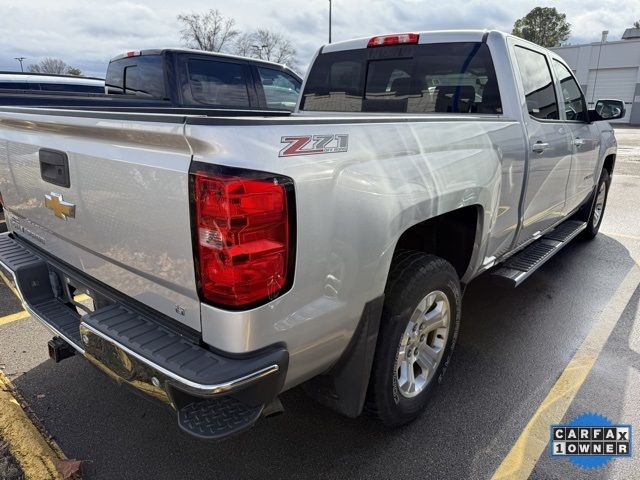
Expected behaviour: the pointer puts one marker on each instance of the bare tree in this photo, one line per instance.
(266, 45)
(209, 31)
(245, 45)
(50, 65)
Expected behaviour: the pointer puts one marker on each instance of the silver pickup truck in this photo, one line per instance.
(227, 259)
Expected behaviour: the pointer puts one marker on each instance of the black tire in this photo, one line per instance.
(589, 212)
(413, 275)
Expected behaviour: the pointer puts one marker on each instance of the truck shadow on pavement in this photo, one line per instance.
(512, 347)
(611, 389)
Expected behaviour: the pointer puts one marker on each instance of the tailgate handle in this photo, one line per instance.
(54, 167)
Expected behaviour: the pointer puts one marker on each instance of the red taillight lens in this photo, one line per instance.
(396, 39)
(242, 236)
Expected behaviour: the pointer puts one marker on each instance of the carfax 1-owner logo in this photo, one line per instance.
(590, 441)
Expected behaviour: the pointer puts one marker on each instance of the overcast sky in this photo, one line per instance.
(87, 33)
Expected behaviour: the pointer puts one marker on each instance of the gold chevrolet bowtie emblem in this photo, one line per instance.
(60, 208)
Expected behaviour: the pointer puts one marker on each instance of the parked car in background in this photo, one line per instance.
(230, 258)
(44, 83)
(185, 79)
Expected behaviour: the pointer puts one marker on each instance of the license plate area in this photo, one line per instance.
(76, 294)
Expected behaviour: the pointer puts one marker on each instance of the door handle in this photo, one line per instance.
(54, 167)
(578, 142)
(539, 146)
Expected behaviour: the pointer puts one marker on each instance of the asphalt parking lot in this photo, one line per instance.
(513, 347)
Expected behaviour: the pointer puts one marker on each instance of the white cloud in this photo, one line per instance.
(87, 33)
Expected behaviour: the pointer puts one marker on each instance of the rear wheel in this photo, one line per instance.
(419, 326)
(594, 219)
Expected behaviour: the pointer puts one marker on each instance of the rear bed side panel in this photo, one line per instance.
(351, 209)
(129, 184)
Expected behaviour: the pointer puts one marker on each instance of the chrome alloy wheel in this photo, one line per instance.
(422, 344)
(599, 206)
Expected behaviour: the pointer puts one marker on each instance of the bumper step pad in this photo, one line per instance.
(65, 321)
(14, 255)
(171, 351)
(217, 418)
(159, 344)
(519, 267)
(31, 275)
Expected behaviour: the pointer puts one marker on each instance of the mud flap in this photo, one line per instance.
(344, 387)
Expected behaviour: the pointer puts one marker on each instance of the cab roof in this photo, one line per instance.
(159, 51)
(427, 36)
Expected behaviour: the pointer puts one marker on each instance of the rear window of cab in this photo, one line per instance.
(139, 75)
(433, 78)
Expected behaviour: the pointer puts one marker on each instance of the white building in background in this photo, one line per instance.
(608, 70)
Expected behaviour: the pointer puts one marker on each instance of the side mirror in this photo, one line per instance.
(607, 110)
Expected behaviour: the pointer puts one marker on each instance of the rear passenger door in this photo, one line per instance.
(585, 138)
(549, 144)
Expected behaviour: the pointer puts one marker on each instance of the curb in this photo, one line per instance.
(36, 456)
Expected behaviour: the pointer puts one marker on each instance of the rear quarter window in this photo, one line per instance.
(432, 78)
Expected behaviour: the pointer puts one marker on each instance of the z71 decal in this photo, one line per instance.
(314, 144)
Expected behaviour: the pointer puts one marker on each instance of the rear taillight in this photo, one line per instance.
(243, 237)
(396, 39)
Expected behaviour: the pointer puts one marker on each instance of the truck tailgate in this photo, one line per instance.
(124, 217)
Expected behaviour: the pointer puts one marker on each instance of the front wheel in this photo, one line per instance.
(419, 326)
(594, 220)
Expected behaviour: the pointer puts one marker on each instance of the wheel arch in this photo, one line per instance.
(609, 163)
(453, 236)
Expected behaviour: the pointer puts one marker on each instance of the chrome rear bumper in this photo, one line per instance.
(140, 348)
